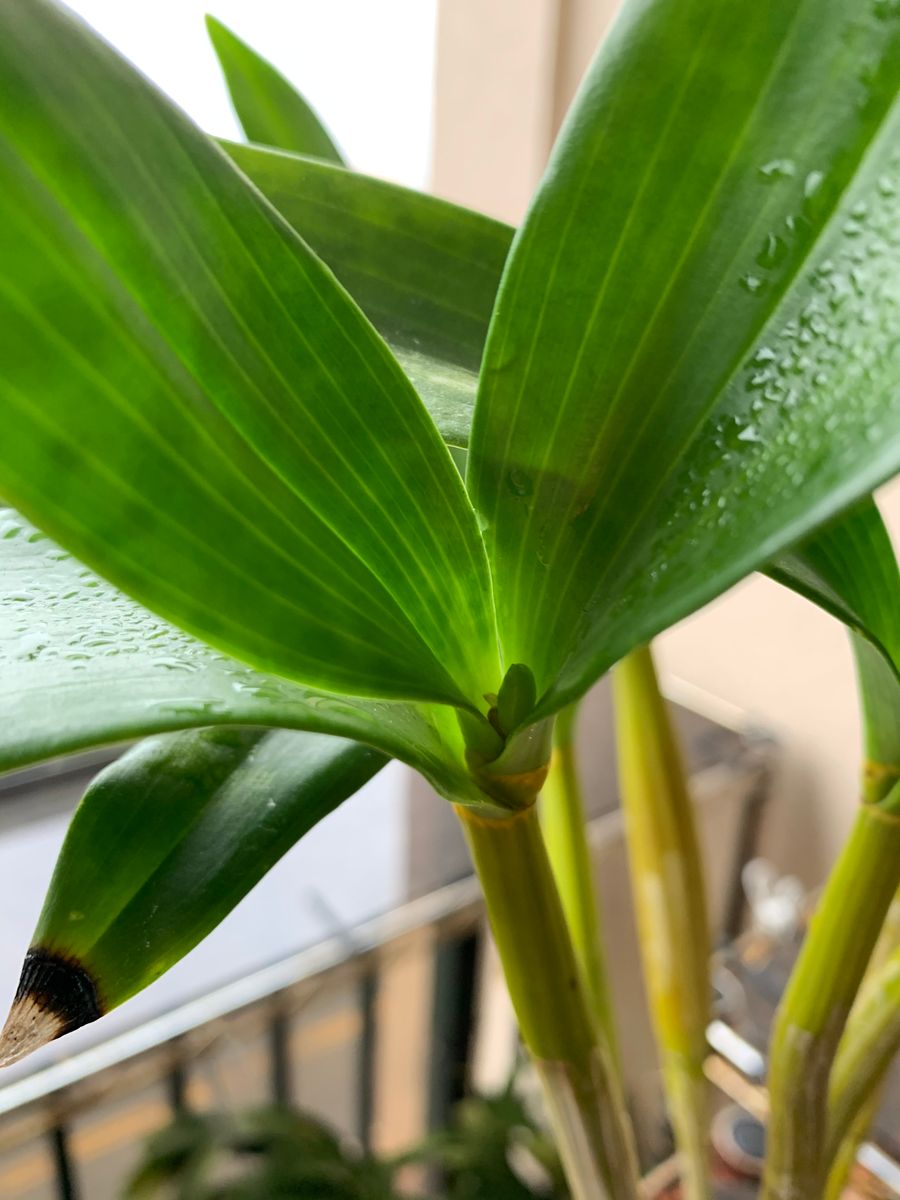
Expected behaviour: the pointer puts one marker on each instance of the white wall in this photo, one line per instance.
(367, 68)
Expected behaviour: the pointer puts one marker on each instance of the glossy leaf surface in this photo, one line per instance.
(193, 406)
(168, 839)
(269, 109)
(82, 665)
(693, 358)
(425, 272)
(459, 260)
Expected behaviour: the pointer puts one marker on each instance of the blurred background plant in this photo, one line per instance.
(493, 1149)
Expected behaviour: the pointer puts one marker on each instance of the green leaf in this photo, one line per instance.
(194, 407)
(693, 360)
(849, 568)
(425, 272)
(164, 844)
(81, 665)
(411, 288)
(269, 109)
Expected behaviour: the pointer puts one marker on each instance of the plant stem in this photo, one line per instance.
(584, 1098)
(818, 999)
(670, 903)
(565, 831)
(842, 1162)
(866, 1050)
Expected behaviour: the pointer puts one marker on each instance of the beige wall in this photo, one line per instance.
(506, 70)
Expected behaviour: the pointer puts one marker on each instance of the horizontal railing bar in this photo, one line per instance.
(436, 908)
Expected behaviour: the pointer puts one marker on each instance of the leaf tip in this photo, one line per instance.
(27, 1028)
(55, 995)
(214, 27)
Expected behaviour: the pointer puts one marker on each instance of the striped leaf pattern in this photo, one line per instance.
(195, 407)
(84, 665)
(692, 361)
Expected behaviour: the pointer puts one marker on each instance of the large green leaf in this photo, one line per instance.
(193, 406)
(269, 109)
(164, 844)
(413, 262)
(82, 665)
(693, 360)
(850, 569)
(458, 261)
(424, 271)
(430, 298)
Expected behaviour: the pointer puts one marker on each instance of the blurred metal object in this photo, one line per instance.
(776, 901)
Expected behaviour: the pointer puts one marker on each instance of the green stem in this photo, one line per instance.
(843, 1160)
(670, 903)
(565, 831)
(818, 999)
(584, 1098)
(865, 1052)
(869, 1044)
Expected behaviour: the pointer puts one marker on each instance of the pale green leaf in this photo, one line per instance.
(269, 109)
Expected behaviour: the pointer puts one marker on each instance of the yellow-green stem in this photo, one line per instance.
(565, 832)
(869, 1044)
(867, 1047)
(670, 903)
(818, 999)
(842, 1163)
(582, 1090)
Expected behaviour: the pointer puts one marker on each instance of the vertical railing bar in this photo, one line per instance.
(280, 1058)
(65, 1176)
(451, 1024)
(176, 1079)
(368, 993)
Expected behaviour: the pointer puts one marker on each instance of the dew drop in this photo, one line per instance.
(773, 251)
(519, 483)
(812, 183)
(778, 168)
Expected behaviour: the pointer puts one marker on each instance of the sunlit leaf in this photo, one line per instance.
(269, 109)
(194, 407)
(425, 272)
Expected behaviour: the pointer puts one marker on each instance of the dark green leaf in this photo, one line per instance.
(269, 109)
(849, 568)
(516, 698)
(457, 259)
(171, 837)
(81, 665)
(425, 272)
(194, 407)
(693, 360)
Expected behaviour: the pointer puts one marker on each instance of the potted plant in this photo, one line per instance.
(230, 376)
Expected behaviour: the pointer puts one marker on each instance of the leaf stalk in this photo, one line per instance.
(670, 903)
(565, 831)
(583, 1094)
